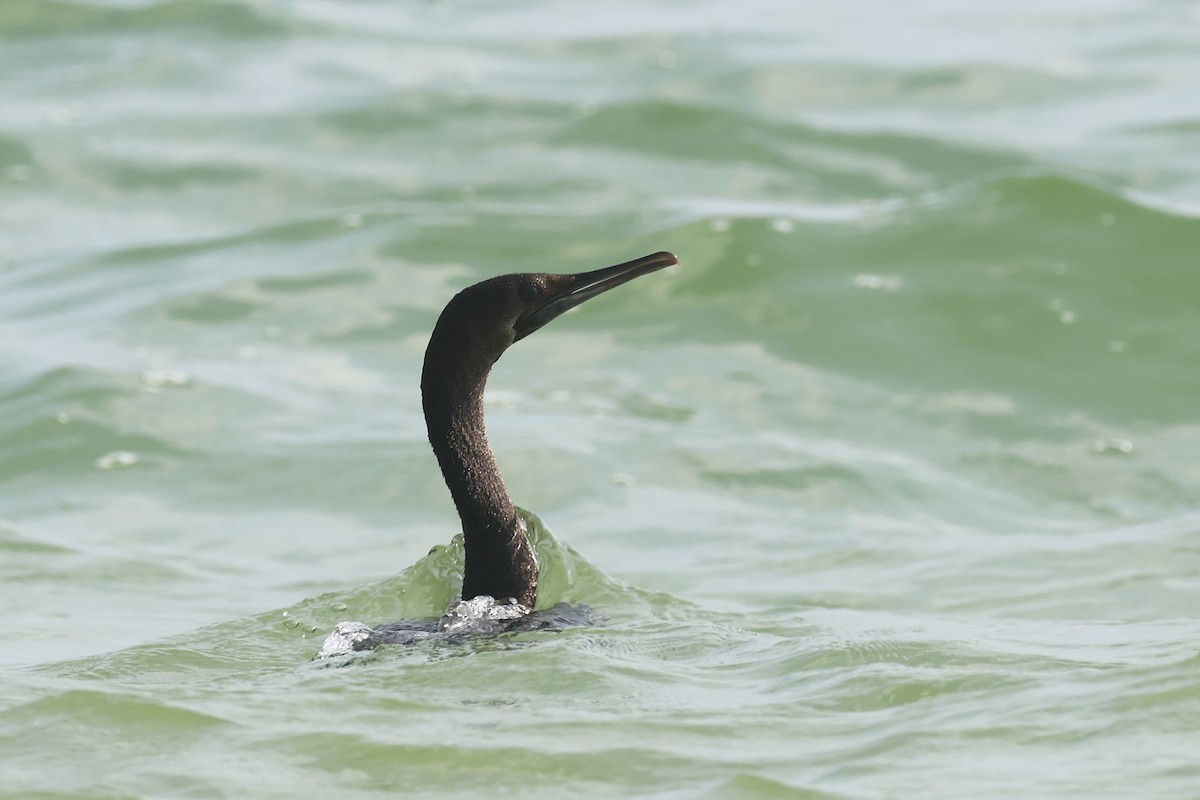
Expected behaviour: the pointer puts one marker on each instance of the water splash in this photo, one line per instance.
(481, 615)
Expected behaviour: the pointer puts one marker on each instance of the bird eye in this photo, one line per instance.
(529, 292)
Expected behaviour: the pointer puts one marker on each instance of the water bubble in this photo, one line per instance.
(117, 459)
(1118, 346)
(666, 59)
(62, 418)
(1108, 220)
(623, 479)
(343, 639)
(1067, 317)
(719, 225)
(351, 221)
(162, 378)
(882, 283)
(1112, 446)
(469, 615)
(781, 225)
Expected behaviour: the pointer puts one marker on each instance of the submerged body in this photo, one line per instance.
(479, 616)
(500, 571)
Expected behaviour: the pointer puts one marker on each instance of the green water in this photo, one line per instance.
(890, 490)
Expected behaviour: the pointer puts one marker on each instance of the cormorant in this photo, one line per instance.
(473, 331)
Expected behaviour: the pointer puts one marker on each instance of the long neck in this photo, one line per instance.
(499, 558)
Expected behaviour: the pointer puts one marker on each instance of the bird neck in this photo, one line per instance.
(499, 560)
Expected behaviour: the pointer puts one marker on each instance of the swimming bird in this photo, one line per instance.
(473, 331)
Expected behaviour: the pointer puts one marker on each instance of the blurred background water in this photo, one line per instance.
(889, 491)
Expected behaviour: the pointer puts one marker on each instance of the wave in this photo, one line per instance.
(289, 637)
(27, 19)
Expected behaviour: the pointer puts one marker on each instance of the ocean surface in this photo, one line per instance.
(891, 489)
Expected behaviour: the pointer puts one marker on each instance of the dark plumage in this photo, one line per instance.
(473, 331)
